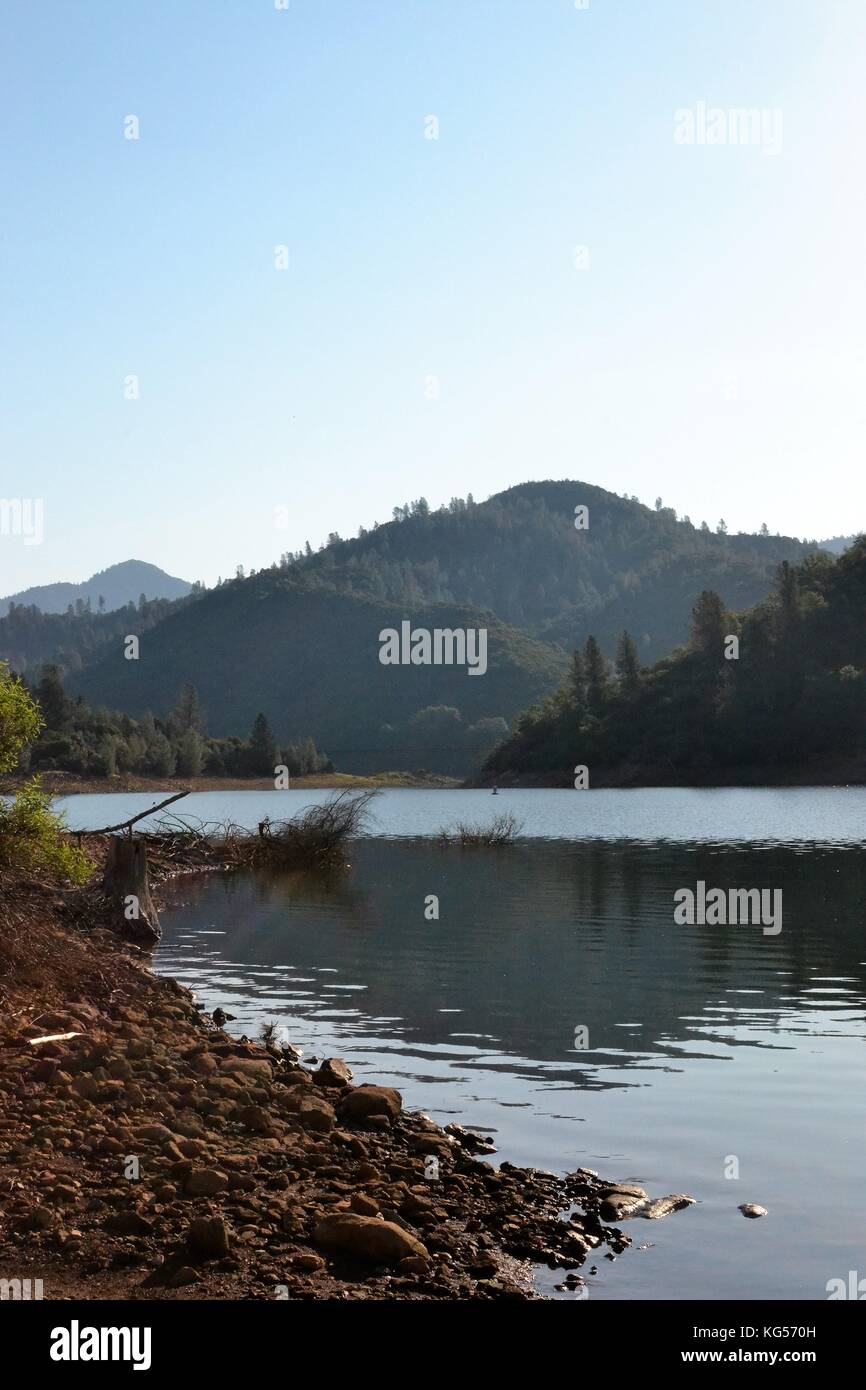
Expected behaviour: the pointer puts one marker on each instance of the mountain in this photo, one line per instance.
(307, 656)
(520, 556)
(785, 698)
(117, 585)
(836, 544)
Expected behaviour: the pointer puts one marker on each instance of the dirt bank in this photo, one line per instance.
(71, 784)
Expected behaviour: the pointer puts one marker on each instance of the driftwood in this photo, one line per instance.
(128, 824)
(126, 885)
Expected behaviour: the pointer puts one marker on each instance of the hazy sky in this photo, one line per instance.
(710, 351)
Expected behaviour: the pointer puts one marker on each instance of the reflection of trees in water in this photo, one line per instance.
(536, 939)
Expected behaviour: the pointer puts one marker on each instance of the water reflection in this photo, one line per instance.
(702, 1041)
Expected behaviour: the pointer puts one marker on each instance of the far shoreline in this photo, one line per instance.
(71, 784)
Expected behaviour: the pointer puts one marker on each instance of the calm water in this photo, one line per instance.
(709, 1048)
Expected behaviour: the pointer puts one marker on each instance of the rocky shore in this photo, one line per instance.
(144, 1153)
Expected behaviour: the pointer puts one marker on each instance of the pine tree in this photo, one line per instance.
(190, 753)
(595, 669)
(628, 665)
(186, 714)
(709, 626)
(56, 708)
(788, 595)
(264, 753)
(576, 685)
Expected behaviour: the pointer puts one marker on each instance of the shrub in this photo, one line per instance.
(314, 838)
(31, 838)
(20, 720)
(501, 830)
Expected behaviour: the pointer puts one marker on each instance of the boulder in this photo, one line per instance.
(316, 1114)
(254, 1067)
(205, 1182)
(366, 1238)
(333, 1073)
(208, 1237)
(366, 1101)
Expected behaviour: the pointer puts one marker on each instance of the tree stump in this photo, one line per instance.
(125, 883)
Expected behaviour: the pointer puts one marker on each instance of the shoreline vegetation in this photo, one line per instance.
(772, 696)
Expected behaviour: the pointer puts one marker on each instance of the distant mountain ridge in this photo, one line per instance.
(118, 585)
(837, 544)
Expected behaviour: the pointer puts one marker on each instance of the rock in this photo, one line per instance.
(129, 1223)
(181, 1277)
(619, 1203)
(205, 1182)
(364, 1205)
(154, 1134)
(624, 1189)
(85, 1086)
(334, 1073)
(750, 1209)
(316, 1114)
(255, 1067)
(256, 1119)
(366, 1238)
(366, 1101)
(208, 1236)
(308, 1262)
(468, 1139)
(662, 1206)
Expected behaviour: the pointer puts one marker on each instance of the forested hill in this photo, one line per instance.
(127, 582)
(307, 656)
(790, 698)
(520, 556)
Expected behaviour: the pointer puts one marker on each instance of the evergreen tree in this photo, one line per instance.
(190, 753)
(628, 665)
(186, 714)
(788, 595)
(56, 708)
(709, 626)
(595, 669)
(576, 685)
(264, 753)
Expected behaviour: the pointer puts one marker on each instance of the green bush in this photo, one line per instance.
(30, 838)
(20, 721)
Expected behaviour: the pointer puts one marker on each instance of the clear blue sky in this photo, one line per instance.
(712, 352)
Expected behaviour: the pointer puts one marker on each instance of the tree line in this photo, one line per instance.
(92, 742)
(780, 686)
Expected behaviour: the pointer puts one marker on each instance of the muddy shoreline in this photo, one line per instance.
(150, 1155)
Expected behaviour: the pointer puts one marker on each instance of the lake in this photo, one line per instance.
(716, 1060)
